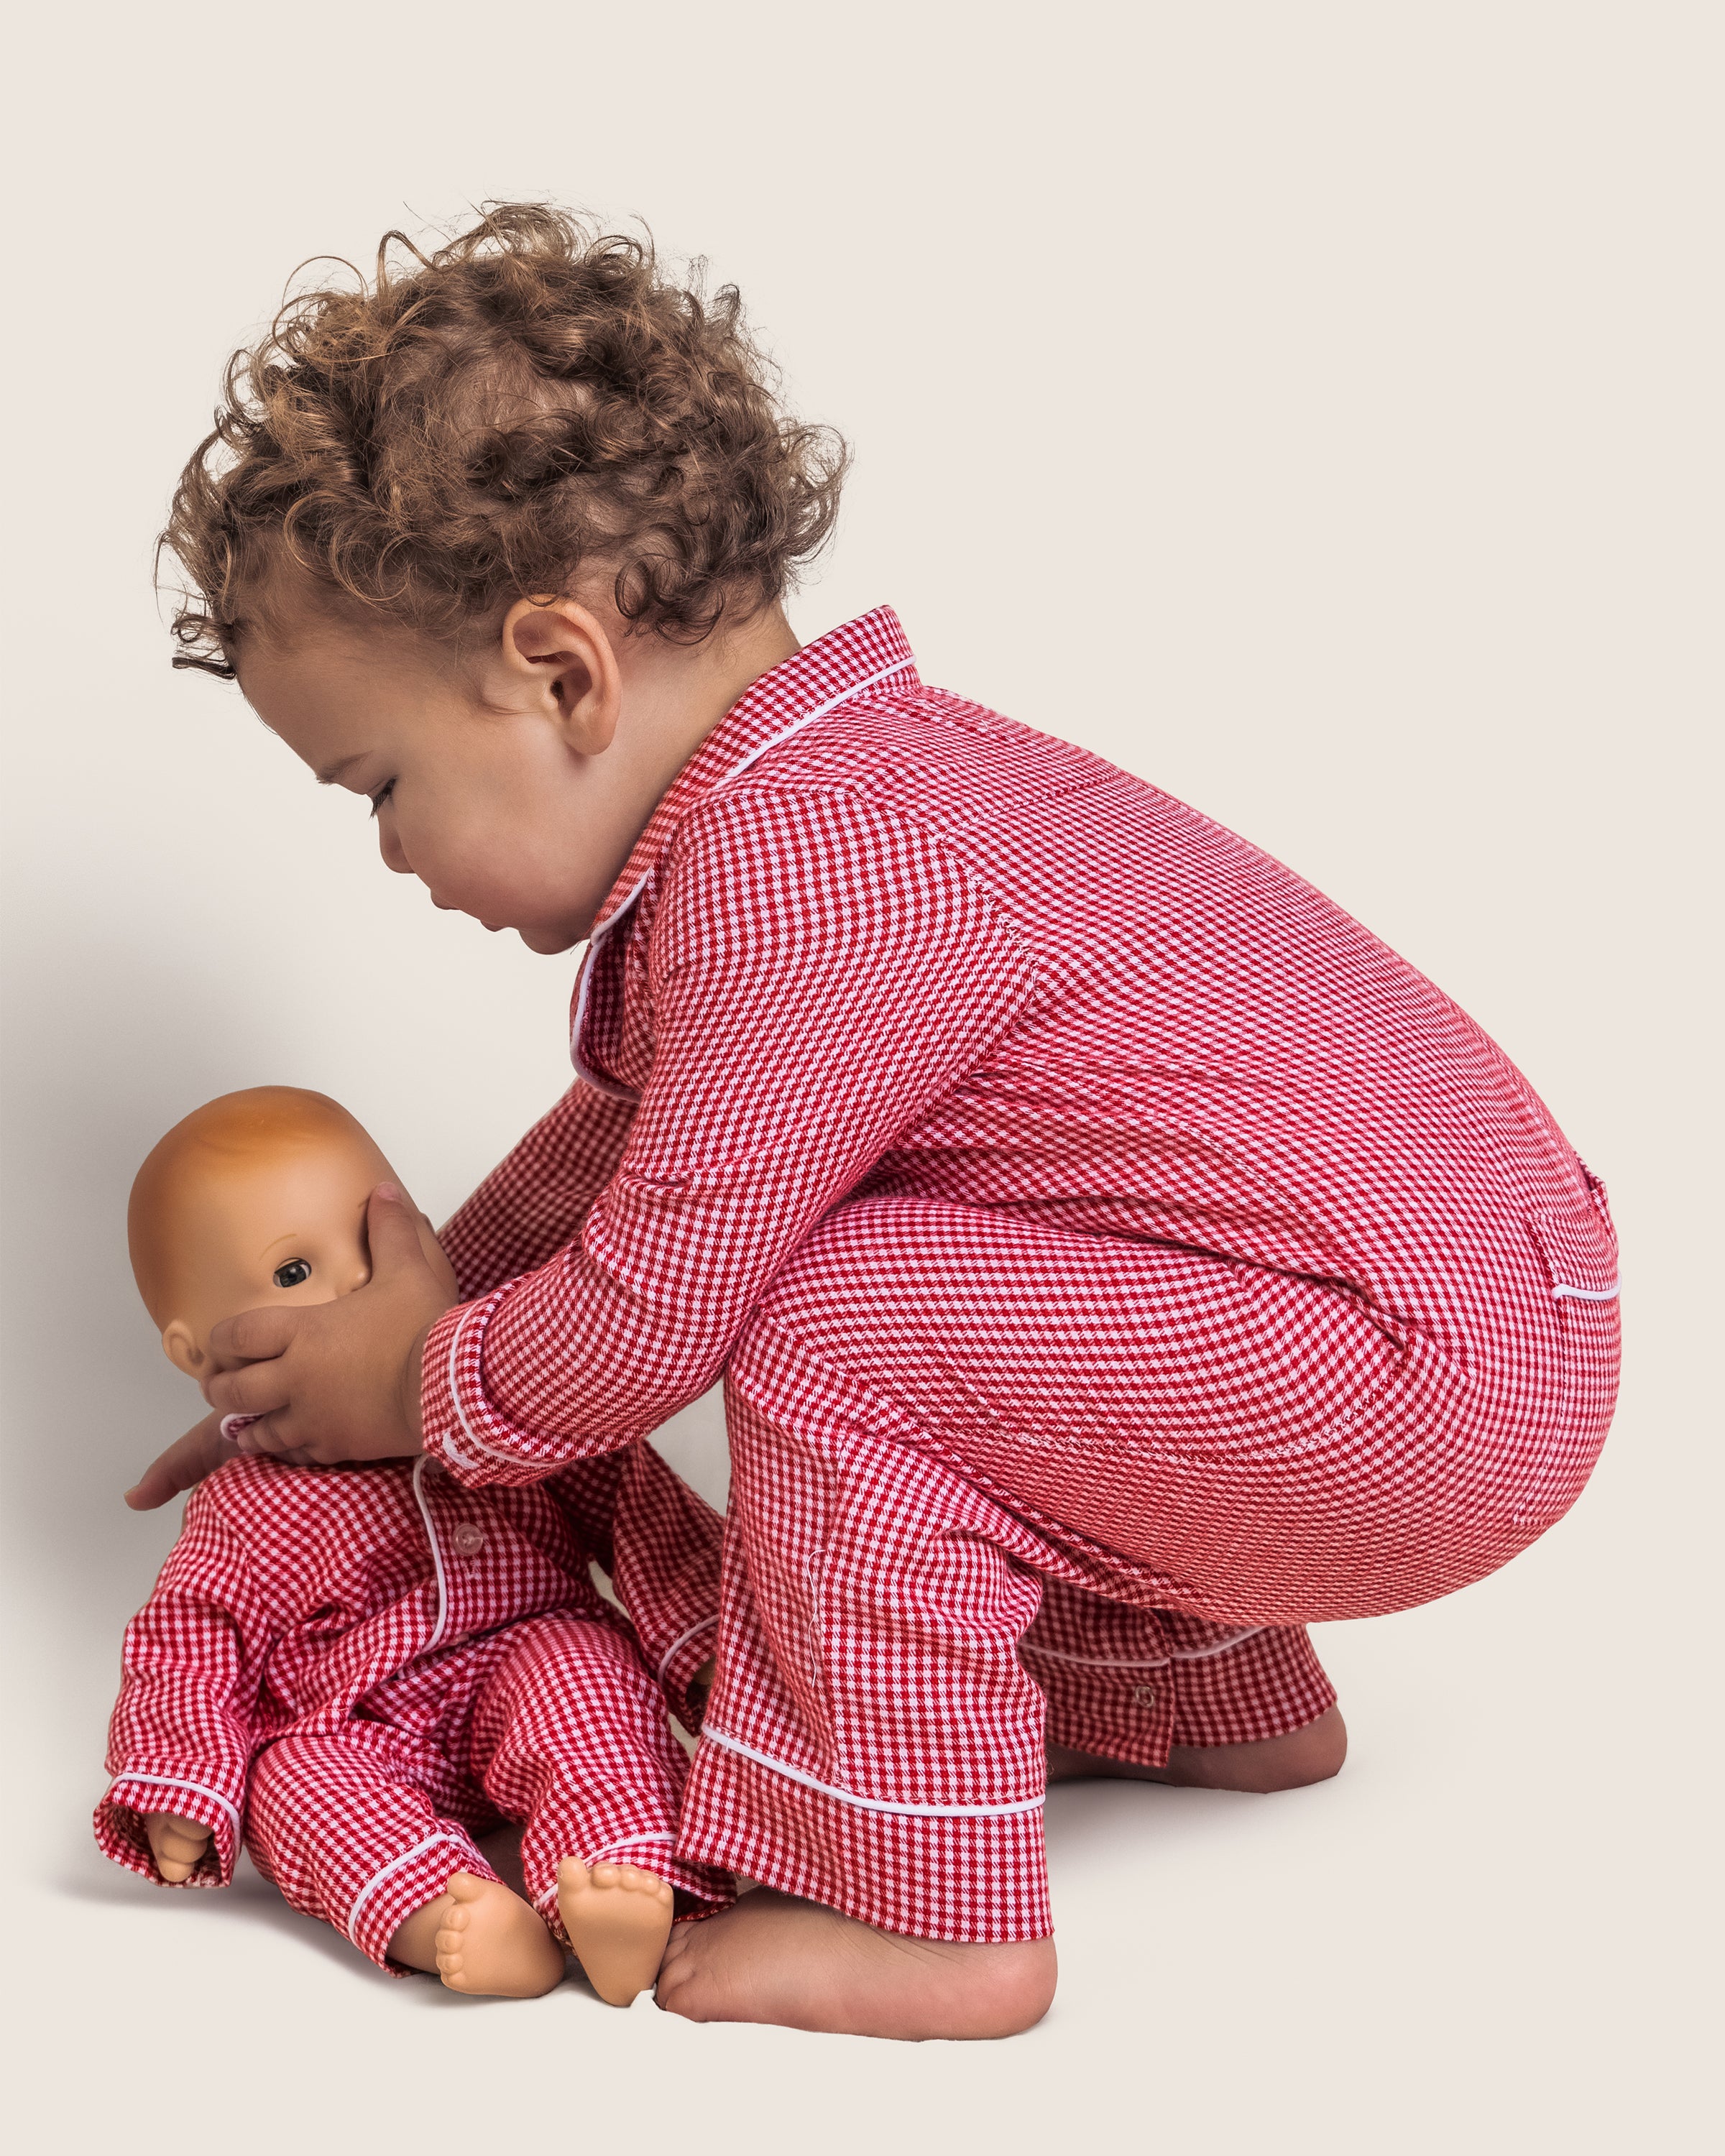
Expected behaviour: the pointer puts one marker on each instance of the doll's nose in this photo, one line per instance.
(360, 1277)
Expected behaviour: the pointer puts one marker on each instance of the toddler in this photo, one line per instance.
(1116, 1259)
(357, 1669)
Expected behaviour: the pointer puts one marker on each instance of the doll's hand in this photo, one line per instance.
(178, 1845)
(185, 1464)
(338, 1381)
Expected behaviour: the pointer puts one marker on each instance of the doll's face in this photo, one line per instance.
(284, 1224)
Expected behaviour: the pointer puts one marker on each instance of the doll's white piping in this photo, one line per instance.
(711, 1735)
(682, 1640)
(436, 1556)
(394, 1864)
(1560, 1290)
(174, 1782)
(628, 1092)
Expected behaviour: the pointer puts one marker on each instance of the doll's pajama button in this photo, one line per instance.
(1143, 1695)
(469, 1538)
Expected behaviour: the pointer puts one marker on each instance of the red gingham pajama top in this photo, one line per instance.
(356, 1669)
(1116, 1257)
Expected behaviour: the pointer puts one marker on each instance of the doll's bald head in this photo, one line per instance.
(257, 1198)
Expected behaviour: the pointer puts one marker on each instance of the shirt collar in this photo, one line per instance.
(798, 690)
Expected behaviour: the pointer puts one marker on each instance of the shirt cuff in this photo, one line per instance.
(460, 1425)
(188, 1792)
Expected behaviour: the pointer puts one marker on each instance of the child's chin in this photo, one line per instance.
(548, 941)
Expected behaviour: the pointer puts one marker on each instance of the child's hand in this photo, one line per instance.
(338, 1380)
(178, 1845)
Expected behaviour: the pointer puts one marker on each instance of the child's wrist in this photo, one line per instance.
(413, 1377)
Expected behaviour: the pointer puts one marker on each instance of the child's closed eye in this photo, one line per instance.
(382, 795)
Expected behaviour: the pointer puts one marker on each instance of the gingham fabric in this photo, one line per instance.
(356, 1668)
(554, 1723)
(1068, 1191)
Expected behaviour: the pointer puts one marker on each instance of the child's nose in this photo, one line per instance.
(395, 855)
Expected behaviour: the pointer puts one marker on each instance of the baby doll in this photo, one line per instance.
(358, 1669)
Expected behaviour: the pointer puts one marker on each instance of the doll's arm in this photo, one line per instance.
(534, 1201)
(182, 1738)
(661, 1544)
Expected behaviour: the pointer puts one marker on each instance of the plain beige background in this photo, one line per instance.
(1313, 407)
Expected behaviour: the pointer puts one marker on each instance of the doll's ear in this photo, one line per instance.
(182, 1350)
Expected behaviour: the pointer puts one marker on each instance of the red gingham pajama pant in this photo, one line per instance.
(930, 1416)
(553, 1723)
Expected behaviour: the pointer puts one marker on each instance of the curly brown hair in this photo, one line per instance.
(534, 400)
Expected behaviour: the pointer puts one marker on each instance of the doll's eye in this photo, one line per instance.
(293, 1274)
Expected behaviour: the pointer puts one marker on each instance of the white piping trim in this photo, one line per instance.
(711, 1735)
(682, 1640)
(809, 718)
(473, 1437)
(1223, 1647)
(1561, 1291)
(1110, 1662)
(628, 1092)
(436, 1556)
(1089, 1661)
(394, 1864)
(176, 1781)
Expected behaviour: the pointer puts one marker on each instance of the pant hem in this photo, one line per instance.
(421, 1880)
(975, 1880)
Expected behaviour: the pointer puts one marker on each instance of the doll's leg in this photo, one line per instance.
(356, 1829)
(1157, 1695)
(569, 1734)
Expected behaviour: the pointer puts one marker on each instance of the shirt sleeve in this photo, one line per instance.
(182, 1734)
(822, 972)
(534, 1201)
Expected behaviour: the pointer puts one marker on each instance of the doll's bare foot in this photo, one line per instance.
(617, 1919)
(772, 1959)
(481, 1938)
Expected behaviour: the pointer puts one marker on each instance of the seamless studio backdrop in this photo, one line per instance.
(1313, 410)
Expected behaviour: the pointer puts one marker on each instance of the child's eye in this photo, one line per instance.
(381, 796)
(294, 1274)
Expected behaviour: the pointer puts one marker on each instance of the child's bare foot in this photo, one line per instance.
(1304, 1756)
(617, 1919)
(481, 1938)
(772, 1959)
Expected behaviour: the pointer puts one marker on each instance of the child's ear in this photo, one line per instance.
(556, 654)
(182, 1350)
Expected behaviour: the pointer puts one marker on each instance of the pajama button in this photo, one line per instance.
(469, 1538)
(1143, 1695)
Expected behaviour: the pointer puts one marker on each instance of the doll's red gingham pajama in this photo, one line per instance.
(1116, 1257)
(357, 1669)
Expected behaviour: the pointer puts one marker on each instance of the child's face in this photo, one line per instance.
(481, 784)
(515, 783)
(286, 1226)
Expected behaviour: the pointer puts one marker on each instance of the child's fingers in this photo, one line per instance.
(258, 1335)
(257, 1388)
(393, 1232)
(268, 1435)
